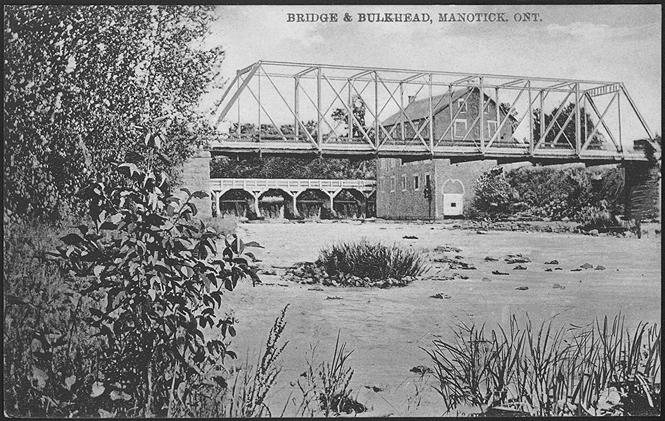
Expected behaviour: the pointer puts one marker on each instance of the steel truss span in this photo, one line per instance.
(285, 108)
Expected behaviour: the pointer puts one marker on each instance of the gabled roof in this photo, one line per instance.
(420, 109)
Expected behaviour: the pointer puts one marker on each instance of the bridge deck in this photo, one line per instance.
(412, 150)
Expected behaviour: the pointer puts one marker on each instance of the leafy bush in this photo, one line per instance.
(140, 285)
(493, 193)
(374, 261)
(595, 217)
(325, 389)
(545, 192)
(598, 369)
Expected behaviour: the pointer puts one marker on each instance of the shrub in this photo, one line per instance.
(493, 193)
(595, 217)
(598, 369)
(374, 261)
(154, 273)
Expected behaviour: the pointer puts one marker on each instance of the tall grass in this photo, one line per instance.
(240, 392)
(325, 388)
(598, 369)
(375, 261)
(44, 341)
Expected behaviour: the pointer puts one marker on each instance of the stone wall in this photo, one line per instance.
(196, 176)
(398, 200)
(642, 191)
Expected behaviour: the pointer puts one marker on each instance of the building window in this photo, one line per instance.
(461, 105)
(392, 184)
(416, 182)
(453, 204)
(403, 183)
(491, 127)
(459, 129)
(427, 180)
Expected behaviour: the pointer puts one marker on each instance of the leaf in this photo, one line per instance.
(39, 377)
(254, 244)
(105, 414)
(186, 190)
(69, 381)
(97, 389)
(200, 194)
(71, 239)
(13, 299)
(127, 169)
(154, 220)
(152, 294)
(187, 271)
(117, 394)
(107, 225)
(98, 270)
(239, 245)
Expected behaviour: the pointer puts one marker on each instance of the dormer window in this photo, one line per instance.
(461, 105)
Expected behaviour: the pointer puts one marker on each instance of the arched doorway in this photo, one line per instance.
(236, 202)
(273, 203)
(453, 198)
(350, 203)
(314, 203)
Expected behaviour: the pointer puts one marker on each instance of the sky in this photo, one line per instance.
(607, 42)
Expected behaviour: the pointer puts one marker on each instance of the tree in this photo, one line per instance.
(569, 132)
(359, 109)
(291, 167)
(89, 87)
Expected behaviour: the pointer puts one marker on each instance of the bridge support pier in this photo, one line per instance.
(642, 191)
(256, 194)
(195, 177)
(294, 196)
(215, 205)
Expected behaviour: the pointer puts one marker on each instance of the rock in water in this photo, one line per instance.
(552, 262)
(496, 272)
(519, 267)
(558, 286)
(600, 267)
(421, 369)
(522, 288)
(490, 259)
(586, 266)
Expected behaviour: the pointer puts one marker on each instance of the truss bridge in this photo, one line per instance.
(284, 108)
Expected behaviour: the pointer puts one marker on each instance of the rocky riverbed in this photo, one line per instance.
(571, 277)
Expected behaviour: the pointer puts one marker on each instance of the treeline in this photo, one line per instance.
(87, 88)
(293, 167)
(571, 193)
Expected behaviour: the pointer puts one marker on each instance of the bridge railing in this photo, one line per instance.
(285, 183)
